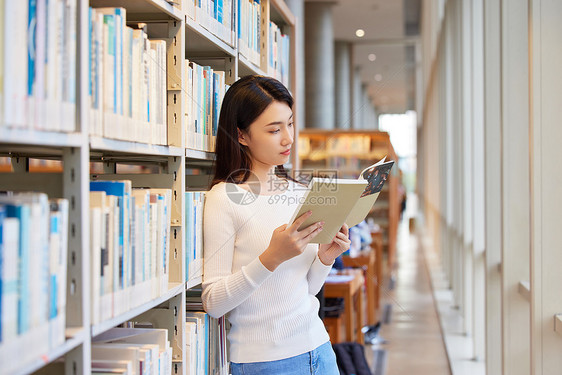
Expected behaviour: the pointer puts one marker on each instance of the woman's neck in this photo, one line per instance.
(268, 180)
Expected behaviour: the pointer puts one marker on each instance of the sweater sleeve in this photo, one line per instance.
(222, 289)
(317, 275)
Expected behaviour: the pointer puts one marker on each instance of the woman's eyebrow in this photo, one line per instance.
(278, 122)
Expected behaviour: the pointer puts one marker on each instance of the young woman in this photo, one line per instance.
(261, 272)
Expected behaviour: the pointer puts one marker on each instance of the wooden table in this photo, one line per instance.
(347, 284)
(366, 260)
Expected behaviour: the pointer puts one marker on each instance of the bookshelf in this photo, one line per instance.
(347, 153)
(81, 133)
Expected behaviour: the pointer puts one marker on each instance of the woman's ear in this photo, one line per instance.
(241, 138)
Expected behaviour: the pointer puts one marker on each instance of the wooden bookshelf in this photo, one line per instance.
(346, 153)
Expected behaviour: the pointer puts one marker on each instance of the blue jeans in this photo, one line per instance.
(320, 361)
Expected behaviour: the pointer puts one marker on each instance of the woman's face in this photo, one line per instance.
(270, 137)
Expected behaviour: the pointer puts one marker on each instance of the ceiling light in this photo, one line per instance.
(372, 57)
(378, 77)
(360, 33)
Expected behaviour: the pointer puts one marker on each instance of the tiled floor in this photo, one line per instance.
(414, 342)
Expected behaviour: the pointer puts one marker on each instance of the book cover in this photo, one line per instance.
(330, 200)
(338, 201)
(376, 175)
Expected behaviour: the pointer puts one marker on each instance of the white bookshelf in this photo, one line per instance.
(175, 290)
(246, 67)
(186, 39)
(132, 148)
(199, 155)
(32, 137)
(203, 41)
(74, 339)
(152, 9)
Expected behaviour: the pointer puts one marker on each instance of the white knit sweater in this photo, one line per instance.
(274, 315)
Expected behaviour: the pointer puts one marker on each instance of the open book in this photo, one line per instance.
(337, 201)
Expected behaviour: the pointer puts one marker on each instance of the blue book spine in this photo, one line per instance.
(239, 33)
(54, 227)
(117, 189)
(119, 33)
(22, 212)
(220, 5)
(31, 45)
(216, 104)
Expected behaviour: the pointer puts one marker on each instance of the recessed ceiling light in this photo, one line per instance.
(360, 33)
(372, 57)
(378, 77)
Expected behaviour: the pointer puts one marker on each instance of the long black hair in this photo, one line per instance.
(244, 101)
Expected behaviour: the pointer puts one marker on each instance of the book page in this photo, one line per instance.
(361, 209)
(330, 200)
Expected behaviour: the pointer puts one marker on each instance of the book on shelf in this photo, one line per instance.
(38, 89)
(205, 344)
(33, 270)
(216, 16)
(127, 79)
(194, 203)
(130, 243)
(278, 59)
(205, 89)
(337, 201)
(249, 30)
(150, 348)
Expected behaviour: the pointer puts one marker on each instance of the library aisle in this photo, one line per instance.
(413, 339)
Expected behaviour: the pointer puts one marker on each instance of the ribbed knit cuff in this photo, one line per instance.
(256, 272)
(317, 260)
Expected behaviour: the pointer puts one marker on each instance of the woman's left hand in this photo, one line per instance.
(340, 243)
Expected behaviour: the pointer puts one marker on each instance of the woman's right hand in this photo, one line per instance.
(288, 242)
